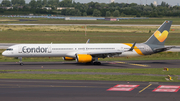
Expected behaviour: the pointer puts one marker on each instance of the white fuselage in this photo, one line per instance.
(64, 50)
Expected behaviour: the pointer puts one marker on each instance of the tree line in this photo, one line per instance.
(89, 9)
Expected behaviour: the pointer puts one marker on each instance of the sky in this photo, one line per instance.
(170, 2)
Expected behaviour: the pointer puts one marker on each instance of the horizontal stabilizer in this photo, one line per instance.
(163, 49)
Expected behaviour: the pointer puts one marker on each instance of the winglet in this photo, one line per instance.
(132, 47)
(87, 41)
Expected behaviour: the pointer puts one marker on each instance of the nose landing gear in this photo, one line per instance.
(20, 62)
(96, 61)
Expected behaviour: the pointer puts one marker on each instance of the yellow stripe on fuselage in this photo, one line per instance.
(135, 48)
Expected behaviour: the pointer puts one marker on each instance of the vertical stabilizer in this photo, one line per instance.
(160, 35)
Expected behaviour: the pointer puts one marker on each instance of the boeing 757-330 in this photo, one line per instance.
(91, 52)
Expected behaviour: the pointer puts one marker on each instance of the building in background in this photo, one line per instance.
(47, 8)
(60, 8)
(155, 3)
(111, 19)
(112, 1)
(6, 7)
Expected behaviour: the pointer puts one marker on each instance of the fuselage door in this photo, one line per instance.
(49, 49)
(20, 49)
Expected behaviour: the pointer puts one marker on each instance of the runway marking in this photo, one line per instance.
(166, 88)
(141, 65)
(130, 86)
(121, 87)
(145, 88)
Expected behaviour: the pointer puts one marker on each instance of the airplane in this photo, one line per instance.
(91, 52)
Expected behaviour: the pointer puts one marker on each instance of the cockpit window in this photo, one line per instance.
(9, 49)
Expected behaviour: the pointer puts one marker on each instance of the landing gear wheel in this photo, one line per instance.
(97, 63)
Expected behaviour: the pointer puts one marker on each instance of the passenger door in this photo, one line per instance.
(19, 49)
(49, 49)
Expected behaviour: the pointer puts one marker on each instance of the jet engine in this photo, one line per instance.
(68, 58)
(84, 58)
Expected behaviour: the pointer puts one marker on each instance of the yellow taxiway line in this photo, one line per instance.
(145, 88)
(141, 65)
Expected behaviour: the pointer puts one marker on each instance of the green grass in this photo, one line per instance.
(86, 77)
(172, 71)
(160, 71)
(76, 34)
(79, 37)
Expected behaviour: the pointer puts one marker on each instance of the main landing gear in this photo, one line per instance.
(93, 63)
(20, 62)
(96, 61)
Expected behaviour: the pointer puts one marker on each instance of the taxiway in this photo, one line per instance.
(70, 90)
(81, 90)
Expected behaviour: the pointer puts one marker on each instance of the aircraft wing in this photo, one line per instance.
(102, 54)
(105, 52)
(111, 53)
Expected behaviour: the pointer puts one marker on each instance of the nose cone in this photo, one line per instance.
(4, 53)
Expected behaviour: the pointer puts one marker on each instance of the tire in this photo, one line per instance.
(97, 63)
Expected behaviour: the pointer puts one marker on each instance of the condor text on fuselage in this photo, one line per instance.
(39, 49)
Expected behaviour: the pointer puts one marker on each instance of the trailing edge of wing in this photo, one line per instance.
(105, 52)
(111, 52)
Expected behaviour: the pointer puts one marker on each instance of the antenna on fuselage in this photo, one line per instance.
(87, 41)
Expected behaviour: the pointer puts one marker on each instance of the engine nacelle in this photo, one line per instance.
(68, 58)
(83, 58)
